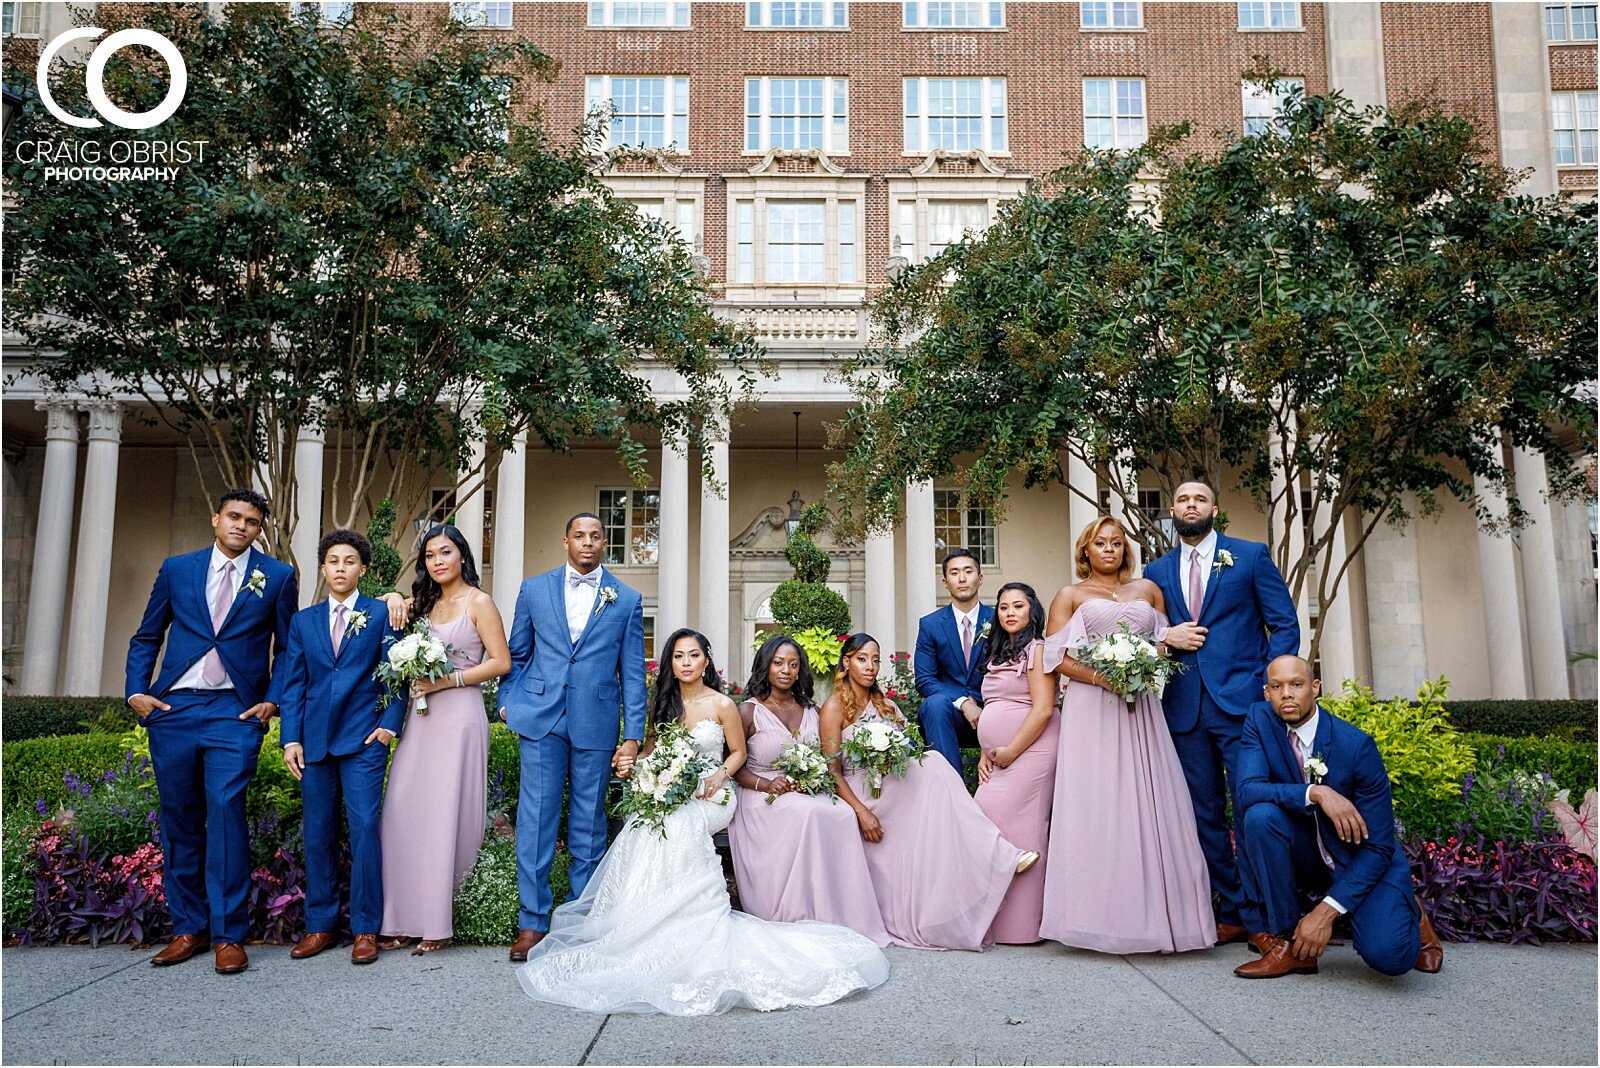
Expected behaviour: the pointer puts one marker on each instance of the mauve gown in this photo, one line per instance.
(1017, 798)
(1125, 873)
(942, 869)
(434, 810)
(801, 857)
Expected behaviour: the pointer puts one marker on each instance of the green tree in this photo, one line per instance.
(1355, 303)
(381, 241)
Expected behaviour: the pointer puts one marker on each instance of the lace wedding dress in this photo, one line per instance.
(654, 931)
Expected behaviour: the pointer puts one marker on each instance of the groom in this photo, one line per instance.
(1245, 618)
(577, 668)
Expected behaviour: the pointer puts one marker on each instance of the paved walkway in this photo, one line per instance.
(1013, 1005)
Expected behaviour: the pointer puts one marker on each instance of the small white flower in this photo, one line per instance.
(358, 620)
(984, 633)
(1316, 769)
(608, 595)
(1224, 559)
(257, 583)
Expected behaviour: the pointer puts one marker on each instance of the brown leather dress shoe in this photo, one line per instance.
(366, 949)
(313, 943)
(1228, 933)
(1259, 941)
(1278, 960)
(231, 958)
(181, 949)
(1431, 957)
(526, 940)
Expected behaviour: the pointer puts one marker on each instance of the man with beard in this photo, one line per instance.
(1245, 618)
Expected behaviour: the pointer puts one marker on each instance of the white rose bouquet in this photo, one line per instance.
(882, 748)
(666, 777)
(806, 766)
(417, 656)
(1130, 662)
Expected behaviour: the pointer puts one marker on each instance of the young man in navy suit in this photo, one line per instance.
(951, 649)
(1235, 594)
(1319, 819)
(222, 612)
(337, 728)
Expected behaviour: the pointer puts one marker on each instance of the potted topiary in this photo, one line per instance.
(807, 610)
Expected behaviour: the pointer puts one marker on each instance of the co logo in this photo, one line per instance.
(94, 78)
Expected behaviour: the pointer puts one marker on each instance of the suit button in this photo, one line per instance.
(574, 659)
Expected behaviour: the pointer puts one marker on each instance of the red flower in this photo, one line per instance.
(844, 637)
(891, 694)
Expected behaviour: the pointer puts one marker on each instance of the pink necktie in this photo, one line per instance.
(1305, 776)
(966, 639)
(1196, 591)
(338, 627)
(214, 674)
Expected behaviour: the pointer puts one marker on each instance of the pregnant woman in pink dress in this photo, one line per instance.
(434, 810)
(1125, 871)
(1019, 732)
(939, 867)
(799, 857)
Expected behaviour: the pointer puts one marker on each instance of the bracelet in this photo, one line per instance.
(459, 683)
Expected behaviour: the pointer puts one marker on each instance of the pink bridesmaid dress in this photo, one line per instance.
(1017, 798)
(435, 808)
(801, 857)
(942, 869)
(1124, 873)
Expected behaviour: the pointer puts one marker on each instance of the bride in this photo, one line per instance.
(654, 931)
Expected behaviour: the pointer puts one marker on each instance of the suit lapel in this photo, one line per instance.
(245, 567)
(1177, 607)
(1214, 581)
(1324, 737)
(325, 626)
(198, 573)
(985, 614)
(600, 607)
(557, 590)
(954, 630)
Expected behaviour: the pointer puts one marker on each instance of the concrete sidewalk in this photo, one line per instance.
(1012, 1005)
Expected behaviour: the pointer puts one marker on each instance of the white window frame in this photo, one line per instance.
(477, 14)
(599, 92)
(1118, 116)
(1273, 14)
(1254, 93)
(603, 14)
(17, 9)
(1577, 129)
(993, 94)
(681, 198)
(913, 223)
(759, 14)
(914, 15)
(843, 232)
(332, 12)
(634, 495)
(964, 506)
(1111, 9)
(1563, 13)
(835, 115)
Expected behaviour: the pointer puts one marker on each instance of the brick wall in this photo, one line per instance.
(1443, 51)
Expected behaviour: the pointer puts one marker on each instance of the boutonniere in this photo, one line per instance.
(1316, 768)
(1224, 559)
(608, 594)
(983, 633)
(358, 620)
(257, 583)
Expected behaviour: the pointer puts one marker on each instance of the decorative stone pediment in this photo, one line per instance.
(943, 161)
(767, 535)
(794, 160)
(642, 161)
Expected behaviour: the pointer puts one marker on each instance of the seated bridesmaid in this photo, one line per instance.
(939, 867)
(801, 856)
(1018, 730)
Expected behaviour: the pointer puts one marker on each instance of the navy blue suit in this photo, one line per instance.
(1251, 620)
(1372, 879)
(330, 704)
(565, 700)
(203, 754)
(943, 677)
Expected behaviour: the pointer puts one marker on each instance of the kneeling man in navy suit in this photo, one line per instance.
(1319, 820)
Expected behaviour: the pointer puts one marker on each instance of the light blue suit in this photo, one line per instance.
(565, 700)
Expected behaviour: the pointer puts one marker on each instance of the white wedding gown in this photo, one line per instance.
(654, 931)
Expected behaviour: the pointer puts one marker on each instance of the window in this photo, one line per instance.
(947, 223)
(1264, 109)
(631, 520)
(1567, 22)
(798, 239)
(795, 241)
(797, 113)
(1111, 15)
(958, 526)
(650, 636)
(1113, 113)
(680, 216)
(1269, 15)
(645, 112)
(483, 14)
(326, 12)
(21, 20)
(955, 114)
(673, 14)
(955, 14)
(1573, 116)
(744, 260)
(796, 14)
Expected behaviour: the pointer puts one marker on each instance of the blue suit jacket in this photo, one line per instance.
(1270, 775)
(941, 675)
(1251, 620)
(588, 685)
(330, 704)
(178, 612)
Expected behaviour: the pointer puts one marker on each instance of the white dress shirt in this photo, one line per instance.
(972, 617)
(580, 600)
(1307, 733)
(192, 679)
(1208, 552)
(350, 610)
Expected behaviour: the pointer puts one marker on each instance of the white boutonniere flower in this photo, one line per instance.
(983, 634)
(1316, 768)
(257, 583)
(608, 595)
(358, 620)
(1224, 559)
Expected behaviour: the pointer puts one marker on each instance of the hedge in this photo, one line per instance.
(1574, 720)
(44, 717)
(1573, 765)
(36, 767)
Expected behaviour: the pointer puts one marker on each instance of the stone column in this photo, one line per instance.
(672, 554)
(1502, 617)
(510, 526)
(1338, 648)
(921, 560)
(1286, 528)
(91, 574)
(469, 502)
(880, 592)
(1122, 509)
(1522, 94)
(308, 506)
(1394, 610)
(713, 621)
(52, 541)
(1541, 588)
(1355, 51)
(1080, 512)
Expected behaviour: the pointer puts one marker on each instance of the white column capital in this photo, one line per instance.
(105, 420)
(61, 423)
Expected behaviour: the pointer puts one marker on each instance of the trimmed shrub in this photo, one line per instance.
(1572, 720)
(800, 606)
(1573, 765)
(486, 906)
(47, 717)
(37, 768)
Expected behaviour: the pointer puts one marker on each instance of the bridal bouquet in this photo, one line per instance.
(665, 778)
(882, 748)
(806, 766)
(1130, 662)
(417, 656)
